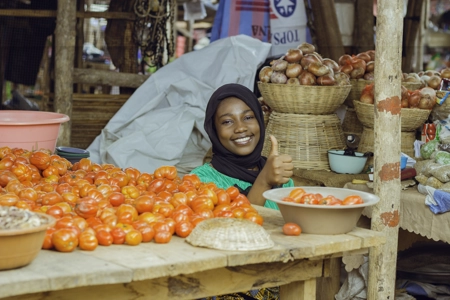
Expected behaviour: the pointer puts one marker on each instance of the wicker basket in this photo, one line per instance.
(411, 118)
(302, 99)
(367, 141)
(359, 84)
(306, 138)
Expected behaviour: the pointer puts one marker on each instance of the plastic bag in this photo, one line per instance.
(442, 173)
(434, 182)
(424, 166)
(442, 158)
(445, 187)
(428, 148)
(422, 179)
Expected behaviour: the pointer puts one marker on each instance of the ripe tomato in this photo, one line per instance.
(88, 241)
(65, 240)
(55, 211)
(169, 172)
(233, 192)
(291, 229)
(183, 228)
(133, 237)
(104, 237)
(144, 203)
(116, 199)
(47, 244)
(162, 237)
(296, 194)
(352, 199)
(148, 233)
(254, 217)
(118, 235)
(330, 200)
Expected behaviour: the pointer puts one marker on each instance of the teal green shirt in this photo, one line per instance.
(206, 173)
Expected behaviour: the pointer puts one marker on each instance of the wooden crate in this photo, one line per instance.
(90, 114)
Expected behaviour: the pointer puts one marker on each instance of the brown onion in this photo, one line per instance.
(404, 93)
(371, 54)
(342, 78)
(331, 63)
(414, 99)
(445, 73)
(307, 78)
(425, 103)
(326, 80)
(345, 60)
(405, 103)
(293, 55)
(357, 73)
(307, 59)
(294, 81)
(293, 70)
(434, 82)
(278, 77)
(347, 69)
(366, 98)
(370, 66)
(306, 48)
(359, 63)
(364, 56)
(318, 69)
(265, 73)
(279, 65)
(432, 72)
(369, 76)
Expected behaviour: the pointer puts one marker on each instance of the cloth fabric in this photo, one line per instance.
(162, 122)
(206, 173)
(438, 201)
(262, 294)
(234, 17)
(223, 160)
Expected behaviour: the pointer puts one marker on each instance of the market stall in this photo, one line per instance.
(178, 270)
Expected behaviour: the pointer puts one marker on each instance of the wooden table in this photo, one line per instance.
(178, 270)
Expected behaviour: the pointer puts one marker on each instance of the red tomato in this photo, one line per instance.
(118, 235)
(144, 203)
(291, 229)
(65, 240)
(133, 237)
(104, 237)
(184, 228)
(88, 241)
(163, 237)
(47, 244)
(351, 200)
(254, 217)
(148, 233)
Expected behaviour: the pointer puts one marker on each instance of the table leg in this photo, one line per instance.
(299, 290)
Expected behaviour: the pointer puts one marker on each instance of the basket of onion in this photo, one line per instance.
(416, 107)
(302, 82)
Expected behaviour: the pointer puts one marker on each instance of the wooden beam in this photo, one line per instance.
(99, 77)
(65, 33)
(387, 136)
(36, 13)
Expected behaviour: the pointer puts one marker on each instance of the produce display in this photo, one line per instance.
(12, 217)
(104, 204)
(434, 168)
(299, 195)
(303, 66)
(360, 66)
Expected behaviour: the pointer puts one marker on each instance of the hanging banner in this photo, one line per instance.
(234, 17)
(287, 25)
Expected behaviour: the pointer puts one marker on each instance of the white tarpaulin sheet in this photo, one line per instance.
(162, 122)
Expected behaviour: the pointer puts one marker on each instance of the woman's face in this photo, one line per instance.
(237, 127)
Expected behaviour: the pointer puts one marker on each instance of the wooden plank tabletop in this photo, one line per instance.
(118, 264)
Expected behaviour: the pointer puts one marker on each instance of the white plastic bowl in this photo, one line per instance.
(322, 219)
(346, 164)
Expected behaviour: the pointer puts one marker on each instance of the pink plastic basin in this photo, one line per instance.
(30, 130)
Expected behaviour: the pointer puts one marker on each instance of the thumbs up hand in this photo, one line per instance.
(279, 167)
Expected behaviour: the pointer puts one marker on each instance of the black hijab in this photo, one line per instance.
(224, 161)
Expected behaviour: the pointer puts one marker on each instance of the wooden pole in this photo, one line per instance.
(387, 111)
(364, 23)
(412, 24)
(100, 77)
(64, 57)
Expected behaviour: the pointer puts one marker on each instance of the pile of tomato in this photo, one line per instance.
(299, 195)
(103, 204)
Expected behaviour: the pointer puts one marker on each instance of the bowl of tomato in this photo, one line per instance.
(321, 210)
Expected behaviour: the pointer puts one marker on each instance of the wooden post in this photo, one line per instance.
(64, 57)
(387, 111)
(412, 24)
(364, 23)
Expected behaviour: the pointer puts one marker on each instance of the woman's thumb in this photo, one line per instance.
(274, 148)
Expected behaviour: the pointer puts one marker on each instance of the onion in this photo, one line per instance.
(425, 103)
(364, 56)
(434, 82)
(344, 60)
(432, 72)
(278, 77)
(331, 63)
(326, 80)
(294, 81)
(293, 55)
(369, 76)
(318, 56)
(370, 66)
(412, 77)
(414, 99)
(357, 73)
(428, 92)
(279, 65)
(293, 70)
(405, 103)
(307, 78)
(371, 54)
(318, 69)
(341, 78)
(306, 48)
(404, 93)
(366, 98)
(265, 73)
(359, 63)
(445, 73)
(347, 69)
(307, 59)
